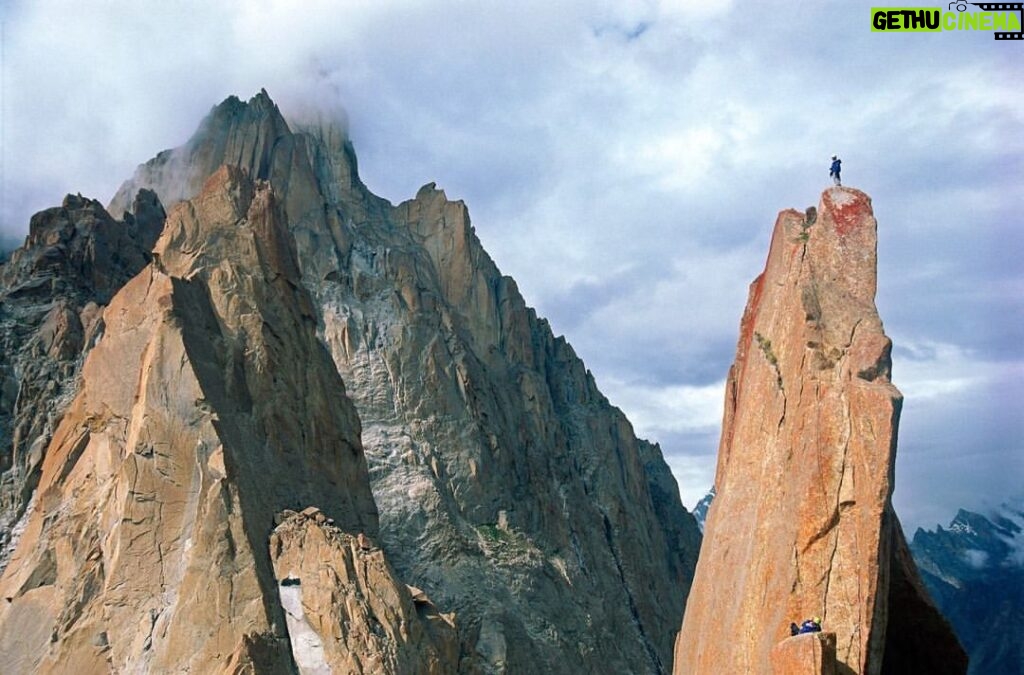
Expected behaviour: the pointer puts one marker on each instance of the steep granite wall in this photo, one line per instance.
(802, 523)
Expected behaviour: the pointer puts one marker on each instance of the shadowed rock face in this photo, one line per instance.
(509, 489)
(52, 291)
(802, 523)
(208, 407)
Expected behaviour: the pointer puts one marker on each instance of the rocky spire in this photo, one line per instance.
(802, 524)
(234, 132)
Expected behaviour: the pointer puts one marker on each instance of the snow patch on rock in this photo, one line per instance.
(307, 648)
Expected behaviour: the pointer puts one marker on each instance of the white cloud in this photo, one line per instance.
(1013, 511)
(975, 558)
(693, 9)
(695, 476)
(624, 161)
(935, 369)
(656, 410)
(678, 161)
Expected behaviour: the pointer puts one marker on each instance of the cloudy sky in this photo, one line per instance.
(623, 160)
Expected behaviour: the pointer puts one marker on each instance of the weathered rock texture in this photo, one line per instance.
(52, 291)
(807, 654)
(347, 611)
(208, 406)
(802, 523)
(509, 489)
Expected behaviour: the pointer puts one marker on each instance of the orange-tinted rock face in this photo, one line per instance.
(346, 609)
(208, 406)
(807, 654)
(802, 524)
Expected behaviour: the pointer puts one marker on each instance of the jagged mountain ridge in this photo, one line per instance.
(975, 571)
(508, 487)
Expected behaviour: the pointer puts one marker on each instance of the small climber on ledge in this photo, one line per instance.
(809, 626)
(834, 170)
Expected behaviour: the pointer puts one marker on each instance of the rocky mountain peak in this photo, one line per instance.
(234, 115)
(300, 347)
(235, 133)
(802, 523)
(975, 571)
(700, 511)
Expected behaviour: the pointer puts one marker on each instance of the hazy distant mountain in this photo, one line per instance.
(974, 570)
(700, 511)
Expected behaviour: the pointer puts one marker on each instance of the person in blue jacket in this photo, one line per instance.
(811, 626)
(834, 171)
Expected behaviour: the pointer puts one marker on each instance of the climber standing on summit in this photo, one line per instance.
(834, 170)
